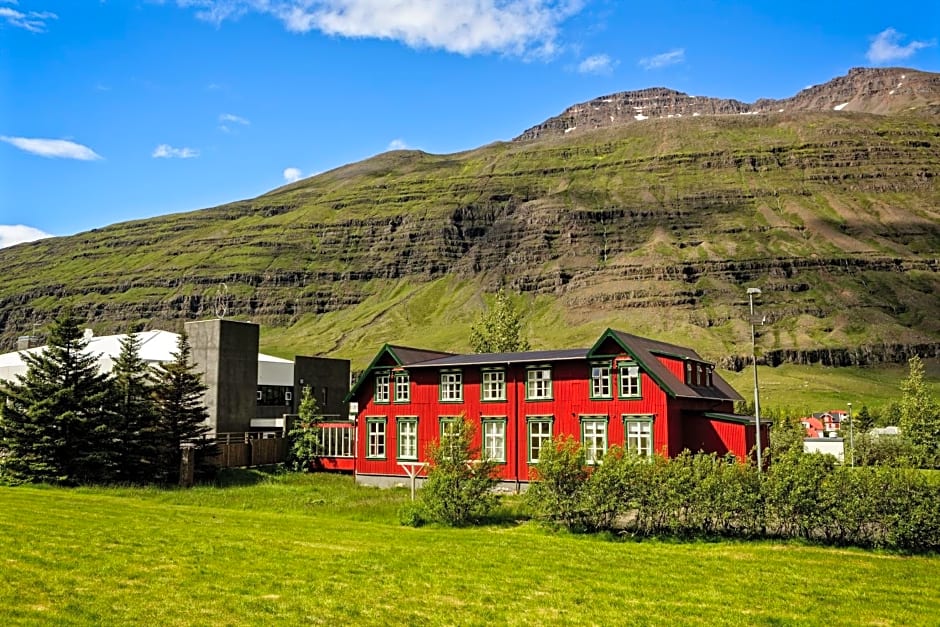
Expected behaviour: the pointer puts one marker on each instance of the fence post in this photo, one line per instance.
(187, 464)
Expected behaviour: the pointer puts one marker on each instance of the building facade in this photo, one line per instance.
(643, 395)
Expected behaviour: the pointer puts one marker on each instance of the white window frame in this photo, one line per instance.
(451, 386)
(594, 437)
(638, 434)
(540, 429)
(493, 385)
(382, 388)
(494, 438)
(538, 383)
(376, 437)
(601, 381)
(630, 379)
(402, 387)
(407, 435)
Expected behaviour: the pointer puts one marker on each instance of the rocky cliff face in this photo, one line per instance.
(652, 227)
(867, 90)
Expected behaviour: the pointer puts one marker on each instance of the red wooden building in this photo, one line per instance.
(643, 395)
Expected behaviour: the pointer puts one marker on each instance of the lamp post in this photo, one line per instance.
(751, 291)
(851, 438)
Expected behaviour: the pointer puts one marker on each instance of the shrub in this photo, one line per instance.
(304, 435)
(560, 477)
(459, 486)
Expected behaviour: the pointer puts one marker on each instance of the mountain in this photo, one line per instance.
(654, 227)
(864, 90)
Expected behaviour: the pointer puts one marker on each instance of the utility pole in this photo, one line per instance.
(751, 292)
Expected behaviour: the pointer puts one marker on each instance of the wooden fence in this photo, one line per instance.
(239, 450)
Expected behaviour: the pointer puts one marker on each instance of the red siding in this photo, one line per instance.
(571, 391)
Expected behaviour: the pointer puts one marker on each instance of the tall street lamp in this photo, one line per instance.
(851, 438)
(751, 291)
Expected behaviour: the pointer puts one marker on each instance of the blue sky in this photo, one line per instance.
(113, 110)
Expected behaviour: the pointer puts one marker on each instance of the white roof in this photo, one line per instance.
(155, 346)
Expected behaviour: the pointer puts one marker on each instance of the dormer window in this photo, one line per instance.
(382, 387)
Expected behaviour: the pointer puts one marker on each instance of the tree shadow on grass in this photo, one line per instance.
(242, 477)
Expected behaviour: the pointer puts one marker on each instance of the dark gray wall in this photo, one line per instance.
(226, 352)
(322, 374)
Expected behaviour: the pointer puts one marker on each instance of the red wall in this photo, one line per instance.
(571, 399)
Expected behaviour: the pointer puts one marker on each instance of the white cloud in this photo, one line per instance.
(228, 118)
(53, 148)
(662, 60)
(166, 151)
(237, 119)
(397, 144)
(524, 27)
(292, 174)
(886, 47)
(13, 234)
(33, 21)
(597, 64)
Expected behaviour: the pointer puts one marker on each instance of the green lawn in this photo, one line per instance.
(316, 549)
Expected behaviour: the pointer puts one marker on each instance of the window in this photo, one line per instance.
(698, 374)
(594, 437)
(494, 385)
(451, 386)
(540, 434)
(402, 387)
(449, 426)
(494, 439)
(600, 381)
(408, 438)
(375, 434)
(381, 387)
(274, 395)
(708, 377)
(629, 381)
(639, 430)
(688, 373)
(538, 384)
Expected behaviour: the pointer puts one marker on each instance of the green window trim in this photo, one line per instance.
(483, 384)
(621, 373)
(493, 420)
(649, 419)
(383, 380)
(551, 383)
(543, 437)
(410, 421)
(594, 365)
(402, 377)
(602, 419)
(376, 420)
(458, 382)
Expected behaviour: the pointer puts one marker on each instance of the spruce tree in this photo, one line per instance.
(181, 414)
(133, 381)
(55, 422)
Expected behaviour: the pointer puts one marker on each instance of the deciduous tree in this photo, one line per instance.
(499, 329)
(920, 415)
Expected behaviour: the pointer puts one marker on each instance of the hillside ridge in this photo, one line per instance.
(861, 90)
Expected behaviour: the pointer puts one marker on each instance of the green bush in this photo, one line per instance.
(411, 514)
(560, 477)
(459, 486)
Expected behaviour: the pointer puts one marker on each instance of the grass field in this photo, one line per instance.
(285, 549)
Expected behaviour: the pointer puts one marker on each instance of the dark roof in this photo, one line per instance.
(746, 420)
(486, 359)
(645, 350)
(407, 356)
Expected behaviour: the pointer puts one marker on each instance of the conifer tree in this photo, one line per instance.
(499, 329)
(181, 414)
(55, 421)
(133, 381)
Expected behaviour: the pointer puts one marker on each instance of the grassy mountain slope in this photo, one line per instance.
(654, 228)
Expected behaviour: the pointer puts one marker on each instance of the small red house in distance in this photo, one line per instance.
(643, 395)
